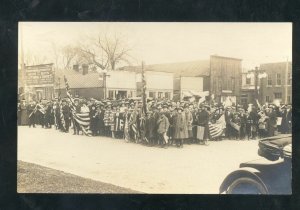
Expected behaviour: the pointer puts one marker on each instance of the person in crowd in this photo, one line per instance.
(228, 118)
(163, 126)
(243, 127)
(31, 110)
(189, 120)
(262, 124)
(286, 119)
(76, 126)
(49, 116)
(106, 120)
(202, 123)
(133, 125)
(272, 121)
(236, 125)
(119, 123)
(67, 115)
(93, 119)
(126, 116)
(253, 123)
(181, 131)
(149, 126)
(100, 117)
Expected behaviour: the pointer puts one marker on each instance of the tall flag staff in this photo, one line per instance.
(144, 96)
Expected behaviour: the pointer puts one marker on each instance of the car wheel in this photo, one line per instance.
(246, 185)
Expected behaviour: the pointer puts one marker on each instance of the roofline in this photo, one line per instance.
(46, 64)
(218, 56)
(282, 62)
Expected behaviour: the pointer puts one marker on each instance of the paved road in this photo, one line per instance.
(192, 169)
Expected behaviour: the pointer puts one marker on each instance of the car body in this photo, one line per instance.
(272, 174)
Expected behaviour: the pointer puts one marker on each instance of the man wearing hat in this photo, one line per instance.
(180, 127)
(286, 119)
(31, 110)
(228, 118)
(202, 124)
(162, 128)
(67, 115)
(93, 119)
(272, 121)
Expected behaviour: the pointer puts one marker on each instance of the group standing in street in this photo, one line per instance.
(165, 122)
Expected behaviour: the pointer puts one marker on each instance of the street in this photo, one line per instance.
(193, 169)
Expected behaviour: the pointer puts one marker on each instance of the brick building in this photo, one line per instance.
(278, 84)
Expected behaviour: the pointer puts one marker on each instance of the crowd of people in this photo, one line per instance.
(163, 123)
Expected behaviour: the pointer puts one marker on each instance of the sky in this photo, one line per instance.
(154, 43)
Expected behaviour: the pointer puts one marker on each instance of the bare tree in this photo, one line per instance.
(105, 52)
(68, 55)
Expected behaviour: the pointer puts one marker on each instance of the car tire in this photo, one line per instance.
(251, 186)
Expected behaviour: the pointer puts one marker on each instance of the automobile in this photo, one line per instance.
(271, 174)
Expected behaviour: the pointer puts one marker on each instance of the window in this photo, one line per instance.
(160, 94)
(220, 84)
(232, 84)
(244, 100)
(110, 94)
(248, 81)
(269, 80)
(267, 98)
(278, 95)
(167, 95)
(76, 93)
(152, 94)
(278, 79)
(289, 99)
(289, 79)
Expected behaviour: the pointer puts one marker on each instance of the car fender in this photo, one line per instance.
(242, 172)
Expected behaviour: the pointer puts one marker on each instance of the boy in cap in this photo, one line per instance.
(163, 126)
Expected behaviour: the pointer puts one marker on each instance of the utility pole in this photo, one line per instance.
(144, 89)
(256, 82)
(23, 73)
(286, 81)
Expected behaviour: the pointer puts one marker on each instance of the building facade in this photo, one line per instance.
(225, 78)
(36, 82)
(188, 87)
(120, 84)
(247, 90)
(277, 87)
(158, 84)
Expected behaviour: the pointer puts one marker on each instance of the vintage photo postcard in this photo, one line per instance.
(155, 108)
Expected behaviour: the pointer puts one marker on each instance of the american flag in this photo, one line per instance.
(83, 119)
(217, 129)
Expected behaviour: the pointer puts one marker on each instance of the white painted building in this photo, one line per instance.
(158, 84)
(120, 84)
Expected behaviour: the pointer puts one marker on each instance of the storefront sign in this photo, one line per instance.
(39, 75)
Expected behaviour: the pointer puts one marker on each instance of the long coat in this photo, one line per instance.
(203, 120)
(163, 124)
(181, 131)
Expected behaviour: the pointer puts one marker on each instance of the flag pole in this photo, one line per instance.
(286, 79)
(144, 96)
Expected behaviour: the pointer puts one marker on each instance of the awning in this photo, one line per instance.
(190, 93)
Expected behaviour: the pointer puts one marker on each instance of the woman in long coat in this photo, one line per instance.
(181, 131)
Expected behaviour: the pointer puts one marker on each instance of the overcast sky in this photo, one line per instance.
(255, 43)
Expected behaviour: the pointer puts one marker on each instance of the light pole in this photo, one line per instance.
(257, 74)
(104, 75)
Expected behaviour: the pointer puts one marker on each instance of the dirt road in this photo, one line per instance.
(192, 169)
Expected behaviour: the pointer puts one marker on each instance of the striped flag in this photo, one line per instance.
(217, 129)
(83, 119)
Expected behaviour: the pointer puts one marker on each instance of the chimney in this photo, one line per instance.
(85, 69)
(76, 67)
